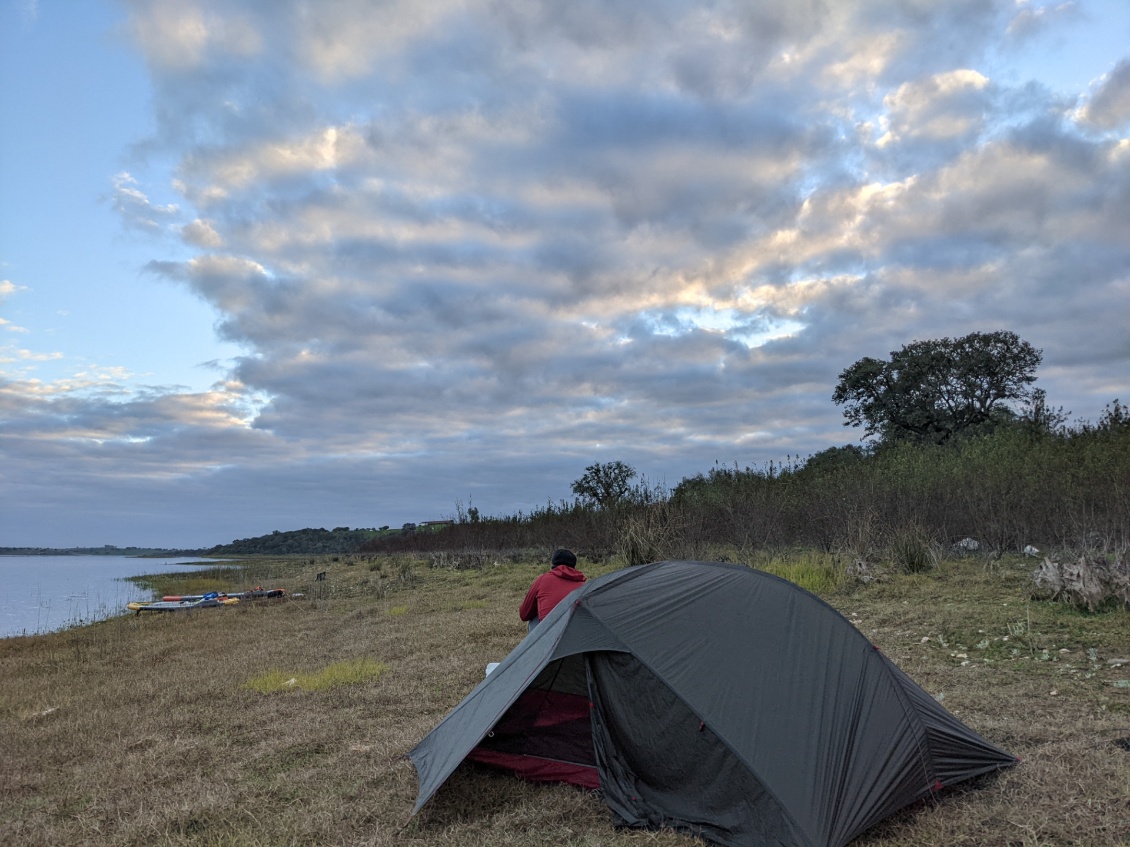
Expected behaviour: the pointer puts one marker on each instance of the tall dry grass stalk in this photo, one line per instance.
(144, 730)
(912, 550)
(651, 534)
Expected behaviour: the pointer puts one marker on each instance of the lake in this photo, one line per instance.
(47, 593)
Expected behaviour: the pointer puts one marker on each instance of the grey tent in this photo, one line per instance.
(714, 699)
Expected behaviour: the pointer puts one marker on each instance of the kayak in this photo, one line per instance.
(181, 605)
(254, 594)
(183, 602)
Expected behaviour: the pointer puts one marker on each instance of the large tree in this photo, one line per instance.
(605, 484)
(933, 390)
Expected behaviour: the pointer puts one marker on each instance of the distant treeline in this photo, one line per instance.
(1018, 485)
(105, 550)
(341, 539)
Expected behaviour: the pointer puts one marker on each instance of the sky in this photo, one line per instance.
(275, 264)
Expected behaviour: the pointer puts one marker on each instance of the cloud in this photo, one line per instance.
(343, 40)
(1109, 106)
(493, 221)
(328, 149)
(1030, 20)
(948, 106)
(183, 35)
(135, 208)
(201, 234)
(11, 354)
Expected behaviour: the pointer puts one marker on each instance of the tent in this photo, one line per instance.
(714, 699)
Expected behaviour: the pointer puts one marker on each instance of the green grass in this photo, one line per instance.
(338, 673)
(819, 573)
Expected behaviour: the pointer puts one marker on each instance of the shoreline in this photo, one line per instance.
(42, 595)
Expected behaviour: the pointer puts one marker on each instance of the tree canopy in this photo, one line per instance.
(933, 390)
(605, 484)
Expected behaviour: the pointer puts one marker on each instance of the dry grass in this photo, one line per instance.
(143, 730)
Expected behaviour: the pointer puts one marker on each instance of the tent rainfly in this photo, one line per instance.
(714, 699)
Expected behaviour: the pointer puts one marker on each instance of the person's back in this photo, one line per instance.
(551, 587)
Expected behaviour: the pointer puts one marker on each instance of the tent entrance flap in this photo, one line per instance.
(546, 736)
(652, 748)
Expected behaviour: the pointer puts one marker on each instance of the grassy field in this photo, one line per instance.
(286, 722)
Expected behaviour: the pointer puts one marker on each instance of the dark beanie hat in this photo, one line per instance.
(563, 557)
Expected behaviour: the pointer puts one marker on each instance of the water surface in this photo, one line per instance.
(47, 593)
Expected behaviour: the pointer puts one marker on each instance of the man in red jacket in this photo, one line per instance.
(551, 587)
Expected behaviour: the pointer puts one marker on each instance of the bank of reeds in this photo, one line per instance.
(181, 730)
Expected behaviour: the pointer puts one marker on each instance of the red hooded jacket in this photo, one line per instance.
(548, 590)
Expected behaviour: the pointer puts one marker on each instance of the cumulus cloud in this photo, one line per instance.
(480, 245)
(948, 106)
(1109, 106)
(201, 234)
(185, 35)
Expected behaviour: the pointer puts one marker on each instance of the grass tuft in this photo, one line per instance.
(339, 673)
(819, 573)
(912, 551)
